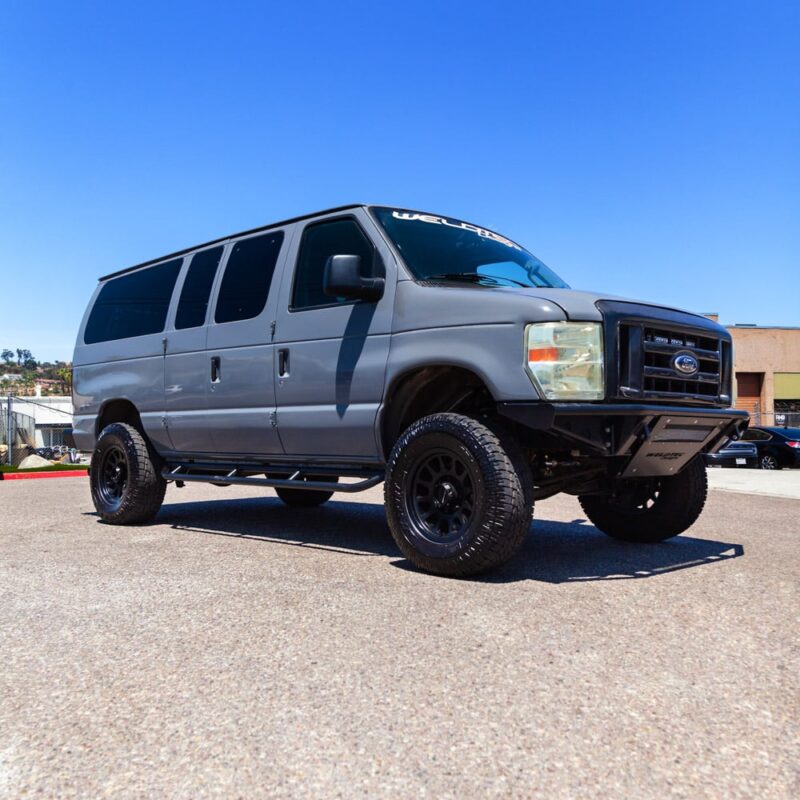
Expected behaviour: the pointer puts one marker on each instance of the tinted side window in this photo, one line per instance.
(338, 237)
(247, 278)
(755, 436)
(133, 304)
(197, 288)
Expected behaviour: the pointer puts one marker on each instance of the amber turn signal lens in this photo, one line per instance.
(543, 354)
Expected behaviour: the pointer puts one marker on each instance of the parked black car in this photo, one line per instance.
(777, 447)
(734, 454)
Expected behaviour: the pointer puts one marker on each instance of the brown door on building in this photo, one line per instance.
(748, 393)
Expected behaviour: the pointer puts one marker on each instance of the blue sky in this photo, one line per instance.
(645, 149)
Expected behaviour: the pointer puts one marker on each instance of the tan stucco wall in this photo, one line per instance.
(766, 350)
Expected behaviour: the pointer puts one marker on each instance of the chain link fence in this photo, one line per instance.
(778, 419)
(21, 435)
(786, 414)
(17, 435)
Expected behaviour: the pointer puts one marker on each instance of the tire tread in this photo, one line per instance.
(507, 513)
(146, 488)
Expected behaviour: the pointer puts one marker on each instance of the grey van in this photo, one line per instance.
(330, 352)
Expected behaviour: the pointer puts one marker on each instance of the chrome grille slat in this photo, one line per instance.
(671, 349)
(662, 395)
(663, 372)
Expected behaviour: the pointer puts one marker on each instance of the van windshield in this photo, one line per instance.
(448, 250)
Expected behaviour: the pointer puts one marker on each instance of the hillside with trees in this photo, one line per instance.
(21, 372)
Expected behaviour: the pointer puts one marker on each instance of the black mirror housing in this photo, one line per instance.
(343, 278)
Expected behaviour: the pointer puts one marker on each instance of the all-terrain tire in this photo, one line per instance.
(305, 498)
(650, 509)
(483, 514)
(518, 458)
(125, 477)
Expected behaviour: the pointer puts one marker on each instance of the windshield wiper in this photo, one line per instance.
(473, 277)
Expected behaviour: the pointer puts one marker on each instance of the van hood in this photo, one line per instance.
(581, 305)
(420, 305)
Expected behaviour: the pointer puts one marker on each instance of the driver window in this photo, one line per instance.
(319, 243)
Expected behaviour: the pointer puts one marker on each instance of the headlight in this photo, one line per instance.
(565, 359)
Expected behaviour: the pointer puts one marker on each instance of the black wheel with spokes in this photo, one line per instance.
(441, 496)
(126, 483)
(112, 479)
(456, 503)
(650, 509)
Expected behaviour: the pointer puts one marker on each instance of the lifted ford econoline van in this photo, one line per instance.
(364, 344)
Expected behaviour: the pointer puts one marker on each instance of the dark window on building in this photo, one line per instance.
(320, 242)
(247, 278)
(197, 288)
(133, 305)
(748, 384)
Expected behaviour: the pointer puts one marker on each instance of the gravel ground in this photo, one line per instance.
(236, 648)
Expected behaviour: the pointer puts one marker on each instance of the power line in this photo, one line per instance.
(41, 405)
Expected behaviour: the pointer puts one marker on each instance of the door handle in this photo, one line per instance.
(215, 369)
(283, 363)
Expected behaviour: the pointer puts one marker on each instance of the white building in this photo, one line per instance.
(51, 416)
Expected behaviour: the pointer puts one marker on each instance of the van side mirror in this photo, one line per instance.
(343, 278)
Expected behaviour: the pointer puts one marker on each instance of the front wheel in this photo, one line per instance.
(455, 502)
(768, 461)
(650, 509)
(126, 484)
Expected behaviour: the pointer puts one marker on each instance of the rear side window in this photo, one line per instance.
(340, 237)
(197, 288)
(247, 278)
(133, 305)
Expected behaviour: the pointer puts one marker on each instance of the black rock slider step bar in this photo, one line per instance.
(245, 476)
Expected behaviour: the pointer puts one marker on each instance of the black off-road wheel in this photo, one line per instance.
(126, 483)
(455, 502)
(306, 498)
(650, 509)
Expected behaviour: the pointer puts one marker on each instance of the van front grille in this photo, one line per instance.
(649, 353)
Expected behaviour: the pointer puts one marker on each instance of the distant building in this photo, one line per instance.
(48, 417)
(767, 368)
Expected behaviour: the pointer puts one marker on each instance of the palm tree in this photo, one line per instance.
(65, 376)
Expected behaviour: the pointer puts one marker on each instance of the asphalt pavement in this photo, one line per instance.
(236, 648)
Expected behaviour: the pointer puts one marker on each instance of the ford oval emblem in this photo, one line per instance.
(685, 363)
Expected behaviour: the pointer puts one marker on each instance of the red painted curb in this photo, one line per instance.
(64, 473)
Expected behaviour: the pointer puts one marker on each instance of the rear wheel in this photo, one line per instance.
(768, 461)
(454, 500)
(306, 498)
(650, 509)
(126, 483)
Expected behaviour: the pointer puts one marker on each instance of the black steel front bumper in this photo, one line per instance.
(650, 440)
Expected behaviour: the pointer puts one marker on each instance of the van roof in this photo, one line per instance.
(186, 250)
